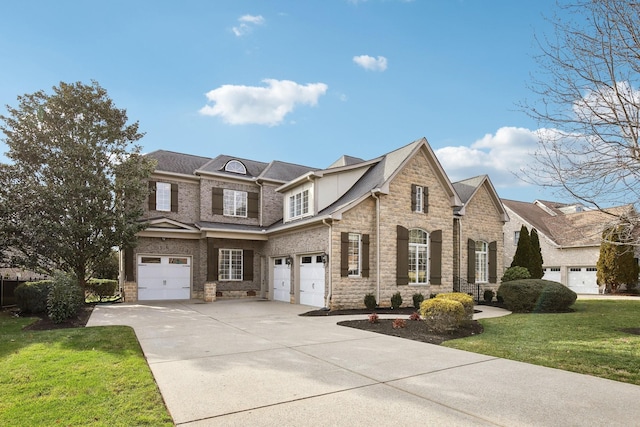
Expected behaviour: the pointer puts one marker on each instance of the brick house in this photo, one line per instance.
(569, 237)
(232, 227)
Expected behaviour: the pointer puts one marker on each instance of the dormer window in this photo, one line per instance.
(235, 166)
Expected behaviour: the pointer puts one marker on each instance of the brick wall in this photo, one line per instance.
(188, 201)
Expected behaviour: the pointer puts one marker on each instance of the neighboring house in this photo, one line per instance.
(232, 227)
(569, 237)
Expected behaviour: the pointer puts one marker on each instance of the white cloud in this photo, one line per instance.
(370, 63)
(239, 105)
(502, 156)
(247, 23)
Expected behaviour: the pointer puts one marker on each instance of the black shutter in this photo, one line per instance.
(402, 256)
(344, 254)
(435, 269)
(128, 265)
(247, 265)
(471, 261)
(493, 262)
(425, 200)
(365, 255)
(212, 260)
(252, 204)
(174, 197)
(413, 197)
(152, 195)
(217, 203)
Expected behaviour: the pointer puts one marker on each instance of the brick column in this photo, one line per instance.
(210, 291)
(130, 291)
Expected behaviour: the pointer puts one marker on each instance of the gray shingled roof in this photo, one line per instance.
(170, 161)
(570, 229)
(284, 172)
(217, 164)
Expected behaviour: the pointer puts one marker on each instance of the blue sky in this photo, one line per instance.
(299, 81)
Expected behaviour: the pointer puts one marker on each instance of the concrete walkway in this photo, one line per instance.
(258, 363)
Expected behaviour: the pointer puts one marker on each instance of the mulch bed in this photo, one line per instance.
(44, 323)
(416, 330)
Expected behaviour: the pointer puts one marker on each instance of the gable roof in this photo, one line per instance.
(468, 188)
(573, 229)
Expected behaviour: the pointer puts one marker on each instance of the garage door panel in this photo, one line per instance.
(281, 280)
(583, 280)
(312, 276)
(164, 277)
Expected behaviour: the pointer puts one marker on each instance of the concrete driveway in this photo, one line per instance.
(252, 362)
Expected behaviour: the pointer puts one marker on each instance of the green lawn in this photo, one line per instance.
(83, 376)
(588, 341)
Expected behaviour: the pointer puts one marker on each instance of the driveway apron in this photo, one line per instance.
(255, 362)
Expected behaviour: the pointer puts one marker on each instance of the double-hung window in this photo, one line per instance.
(355, 251)
(235, 203)
(299, 204)
(419, 198)
(230, 264)
(482, 262)
(418, 256)
(163, 196)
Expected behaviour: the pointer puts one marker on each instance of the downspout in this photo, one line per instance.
(327, 303)
(261, 201)
(375, 193)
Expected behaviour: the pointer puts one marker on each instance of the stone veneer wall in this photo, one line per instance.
(482, 221)
(395, 209)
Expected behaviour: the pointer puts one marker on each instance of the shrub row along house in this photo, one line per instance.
(570, 238)
(232, 227)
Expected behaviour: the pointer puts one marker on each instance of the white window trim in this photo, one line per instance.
(357, 236)
(235, 166)
(414, 250)
(485, 262)
(163, 196)
(289, 214)
(225, 264)
(234, 210)
(419, 198)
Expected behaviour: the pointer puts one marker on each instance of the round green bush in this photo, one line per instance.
(102, 288)
(65, 298)
(370, 301)
(396, 300)
(442, 314)
(31, 297)
(515, 273)
(536, 295)
(417, 300)
(464, 299)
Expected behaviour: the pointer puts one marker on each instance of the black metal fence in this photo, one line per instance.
(461, 285)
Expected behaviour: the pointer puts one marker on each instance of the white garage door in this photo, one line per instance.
(164, 277)
(552, 273)
(312, 280)
(281, 280)
(582, 280)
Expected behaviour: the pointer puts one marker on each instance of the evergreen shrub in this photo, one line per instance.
(370, 301)
(31, 297)
(442, 314)
(464, 299)
(396, 300)
(536, 295)
(417, 300)
(515, 273)
(65, 298)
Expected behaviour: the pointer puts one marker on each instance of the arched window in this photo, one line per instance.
(482, 262)
(235, 166)
(418, 256)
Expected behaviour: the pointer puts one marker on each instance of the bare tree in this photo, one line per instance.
(587, 103)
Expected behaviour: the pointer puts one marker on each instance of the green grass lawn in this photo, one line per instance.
(80, 376)
(588, 341)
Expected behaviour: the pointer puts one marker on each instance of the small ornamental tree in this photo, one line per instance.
(523, 251)
(616, 264)
(536, 261)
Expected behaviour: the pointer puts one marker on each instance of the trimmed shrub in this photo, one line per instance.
(31, 297)
(488, 295)
(374, 318)
(399, 324)
(102, 288)
(396, 300)
(414, 316)
(464, 299)
(536, 295)
(417, 300)
(515, 273)
(442, 314)
(370, 301)
(65, 298)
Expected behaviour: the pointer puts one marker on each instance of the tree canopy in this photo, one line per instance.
(523, 250)
(76, 182)
(536, 261)
(616, 264)
(587, 102)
